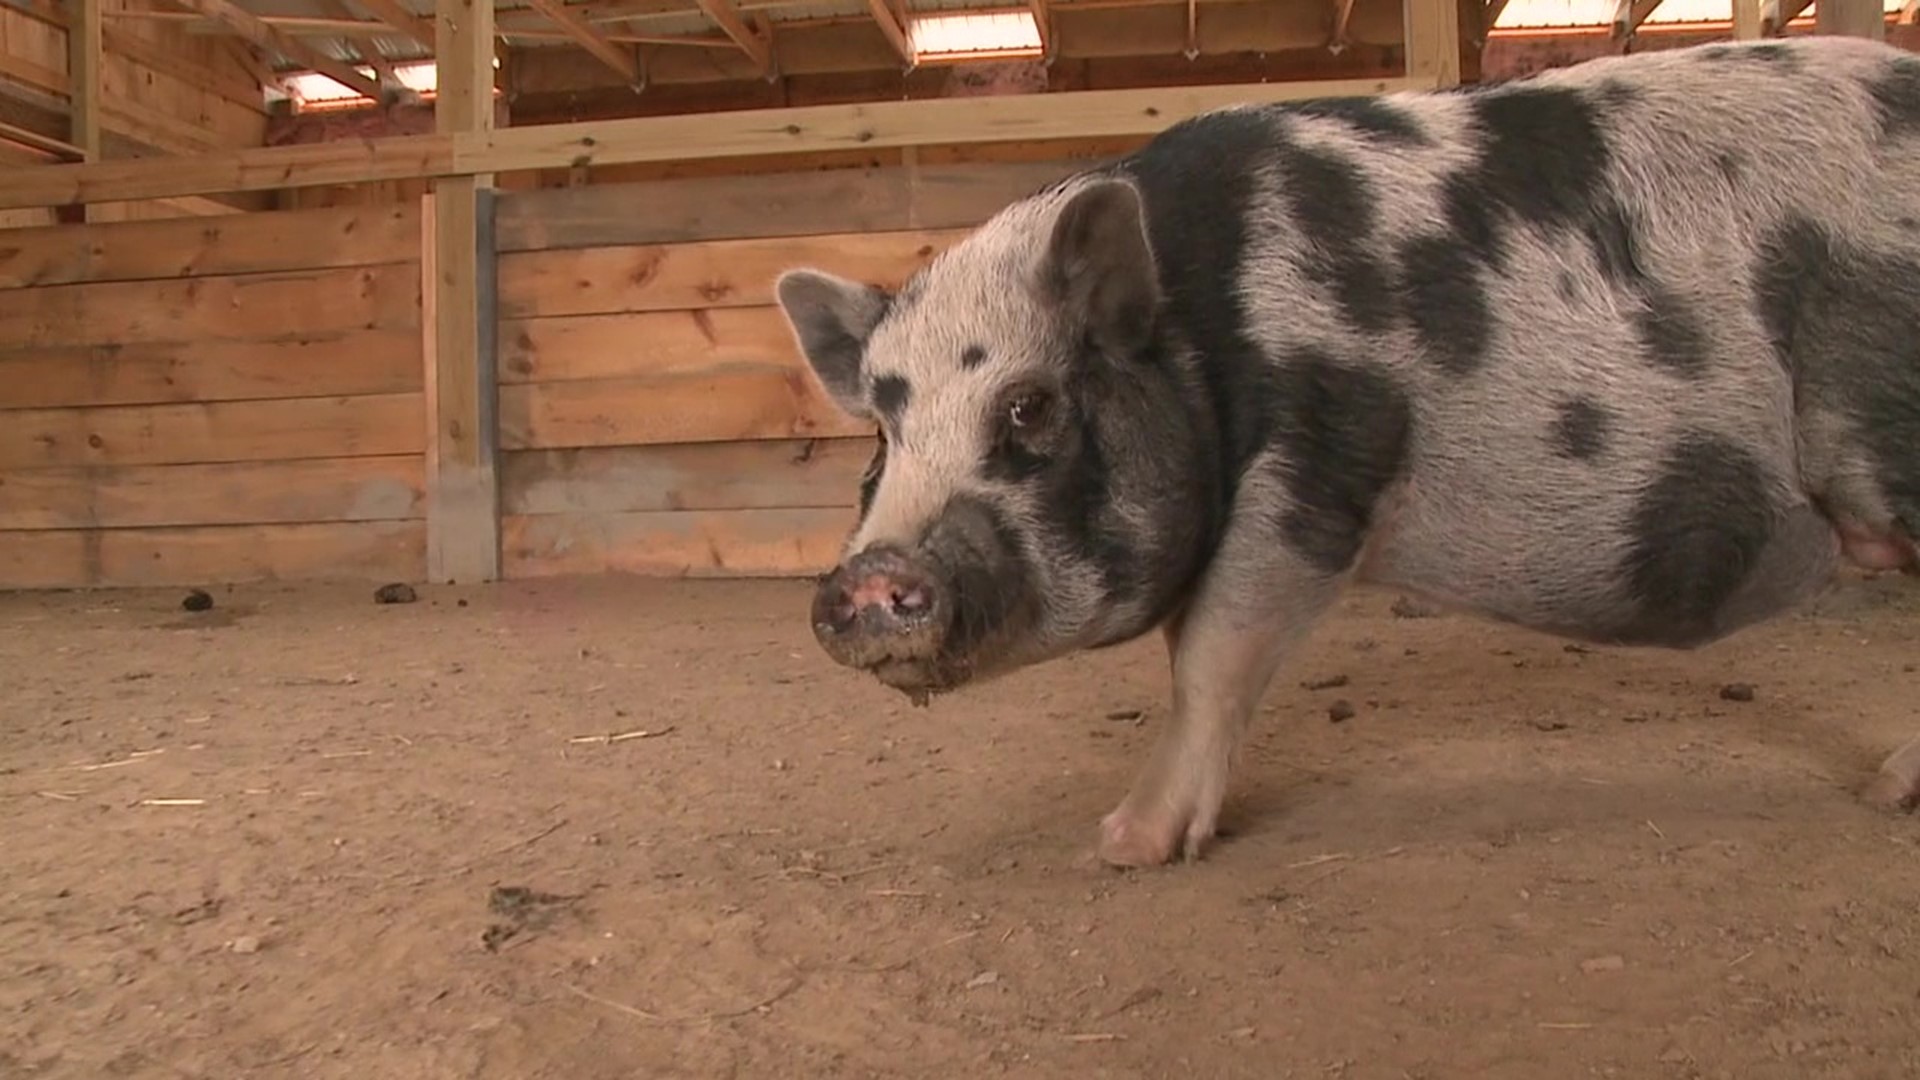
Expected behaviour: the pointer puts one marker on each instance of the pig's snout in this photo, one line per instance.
(883, 611)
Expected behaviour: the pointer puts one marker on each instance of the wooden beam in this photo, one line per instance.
(247, 55)
(1433, 41)
(367, 45)
(248, 25)
(401, 20)
(83, 76)
(590, 38)
(1337, 41)
(727, 18)
(1776, 14)
(1851, 18)
(41, 144)
(1629, 14)
(1746, 20)
(1086, 114)
(458, 318)
(895, 33)
(1043, 22)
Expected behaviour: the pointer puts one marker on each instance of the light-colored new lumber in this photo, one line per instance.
(882, 199)
(244, 306)
(742, 402)
(1851, 18)
(1088, 114)
(459, 317)
(714, 543)
(1432, 42)
(385, 488)
(1746, 20)
(719, 273)
(1629, 14)
(351, 550)
(767, 473)
(891, 29)
(281, 240)
(342, 363)
(212, 431)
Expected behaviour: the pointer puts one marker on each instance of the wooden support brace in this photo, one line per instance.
(1629, 14)
(83, 76)
(1776, 14)
(401, 20)
(1043, 22)
(1910, 13)
(590, 38)
(1337, 41)
(727, 18)
(890, 26)
(1193, 30)
(458, 327)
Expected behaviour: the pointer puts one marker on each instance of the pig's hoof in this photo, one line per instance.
(1132, 840)
(1898, 785)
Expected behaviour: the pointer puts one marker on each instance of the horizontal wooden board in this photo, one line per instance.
(324, 365)
(720, 273)
(388, 488)
(355, 550)
(742, 402)
(200, 247)
(884, 199)
(770, 473)
(642, 343)
(245, 306)
(676, 543)
(214, 431)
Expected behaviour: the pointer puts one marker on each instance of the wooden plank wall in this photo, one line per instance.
(655, 416)
(212, 400)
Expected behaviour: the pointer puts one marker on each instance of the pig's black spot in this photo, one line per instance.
(1441, 292)
(1581, 427)
(870, 479)
(1470, 221)
(973, 356)
(1335, 210)
(1896, 96)
(990, 583)
(890, 396)
(1201, 247)
(1730, 165)
(1846, 324)
(1614, 236)
(1546, 156)
(1696, 530)
(1343, 433)
(1792, 261)
(1380, 121)
(1672, 333)
(1772, 53)
(1616, 95)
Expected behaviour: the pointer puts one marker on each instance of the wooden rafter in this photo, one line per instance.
(248, 25)
(369, 49)
(1911, 12)
(1629, 14)
(247, 55)
(1776, 14)
(727, 18)
(590, 38)
(401, 20)
(1043, 22)
(890, 26)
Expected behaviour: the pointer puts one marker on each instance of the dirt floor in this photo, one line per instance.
(587, 829)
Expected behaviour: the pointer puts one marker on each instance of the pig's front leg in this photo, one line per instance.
(1254, 606)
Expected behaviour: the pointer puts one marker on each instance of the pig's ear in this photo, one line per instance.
(1099, 266)
(831, 319)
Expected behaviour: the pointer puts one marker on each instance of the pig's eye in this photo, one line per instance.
(1028, 412)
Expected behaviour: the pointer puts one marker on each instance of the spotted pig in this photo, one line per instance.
(1626, 352)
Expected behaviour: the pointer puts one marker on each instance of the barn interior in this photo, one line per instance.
(468, 305)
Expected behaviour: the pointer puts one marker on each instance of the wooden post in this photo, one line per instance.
(1746, 20)
(1432, 41)
(83, 88)
(1853, 18)
(458, 316)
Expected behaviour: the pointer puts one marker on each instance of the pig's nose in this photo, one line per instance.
(881, 596)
